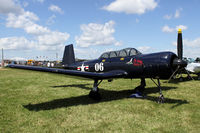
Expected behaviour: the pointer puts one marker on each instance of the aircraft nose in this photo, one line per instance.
(179, 62)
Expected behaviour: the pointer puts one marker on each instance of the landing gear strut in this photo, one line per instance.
(198, 76)
(94, 93)
(161, 98)
(138, 91)
(178, 72)
(141, 87)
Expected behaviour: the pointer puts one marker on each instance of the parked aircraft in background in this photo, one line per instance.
(194, 68)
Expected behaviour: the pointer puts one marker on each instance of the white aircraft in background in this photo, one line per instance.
(194, 68)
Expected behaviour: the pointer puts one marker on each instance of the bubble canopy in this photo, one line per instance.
(121, 53)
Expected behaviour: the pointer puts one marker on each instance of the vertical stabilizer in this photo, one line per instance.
(68, 56)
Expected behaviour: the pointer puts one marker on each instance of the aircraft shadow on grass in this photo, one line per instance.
(107, 95)
(183, 79)
(82, 86)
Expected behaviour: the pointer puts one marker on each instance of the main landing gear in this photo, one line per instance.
(94, 93)
(140, 89)
(161, 98)
(178, 73)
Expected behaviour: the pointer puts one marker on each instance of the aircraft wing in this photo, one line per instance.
(90, 75)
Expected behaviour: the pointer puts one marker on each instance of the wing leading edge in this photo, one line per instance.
(90, 75)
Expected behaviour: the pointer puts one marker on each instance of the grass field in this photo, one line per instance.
(45, 102)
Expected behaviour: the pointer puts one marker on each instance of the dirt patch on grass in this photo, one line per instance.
(1, 69)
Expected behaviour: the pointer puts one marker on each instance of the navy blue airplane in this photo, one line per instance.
(125, 63)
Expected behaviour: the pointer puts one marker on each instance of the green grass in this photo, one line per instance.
(45, 102)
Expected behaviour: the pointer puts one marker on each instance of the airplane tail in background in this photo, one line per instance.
(68, 56)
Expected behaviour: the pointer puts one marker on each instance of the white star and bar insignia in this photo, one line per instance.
(83, 68)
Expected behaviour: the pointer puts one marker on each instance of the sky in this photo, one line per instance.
(40, 29)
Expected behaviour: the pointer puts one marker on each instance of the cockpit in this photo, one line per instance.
(121, 53)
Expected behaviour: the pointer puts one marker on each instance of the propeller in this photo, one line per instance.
(178, 62)
(180, 44)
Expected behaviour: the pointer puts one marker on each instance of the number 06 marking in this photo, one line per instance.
(99, 67)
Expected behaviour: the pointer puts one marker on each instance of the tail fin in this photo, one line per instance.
(68, 56)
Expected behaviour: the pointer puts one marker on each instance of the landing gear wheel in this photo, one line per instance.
(181, 79)
(161, 99)
(189, 78)
(95, 95)
(138, 89)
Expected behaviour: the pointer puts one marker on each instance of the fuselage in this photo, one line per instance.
(155, 65)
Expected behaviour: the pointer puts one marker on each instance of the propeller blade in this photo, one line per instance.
(180, 44)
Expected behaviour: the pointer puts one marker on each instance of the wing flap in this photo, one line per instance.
(90, 75)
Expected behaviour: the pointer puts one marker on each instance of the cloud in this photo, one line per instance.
(9, 6)
(16, 43)
(52, 38)
(89, 53)
(56, 9)
(191, 52)
(192, 43)
(191, 48)
(144, 49)
(26, 21)
(53, 41)
(137, 20)
(41, 1)
(168, 29)
(168, 17)
(40, 37)
(51, 20)
(97, 34)
(118, 44)
(131, 6)
(182, 27)
(25, 3)
(43, 36)
(23, 20)
(178, 13)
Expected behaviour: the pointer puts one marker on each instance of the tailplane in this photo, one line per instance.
(68, 56)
